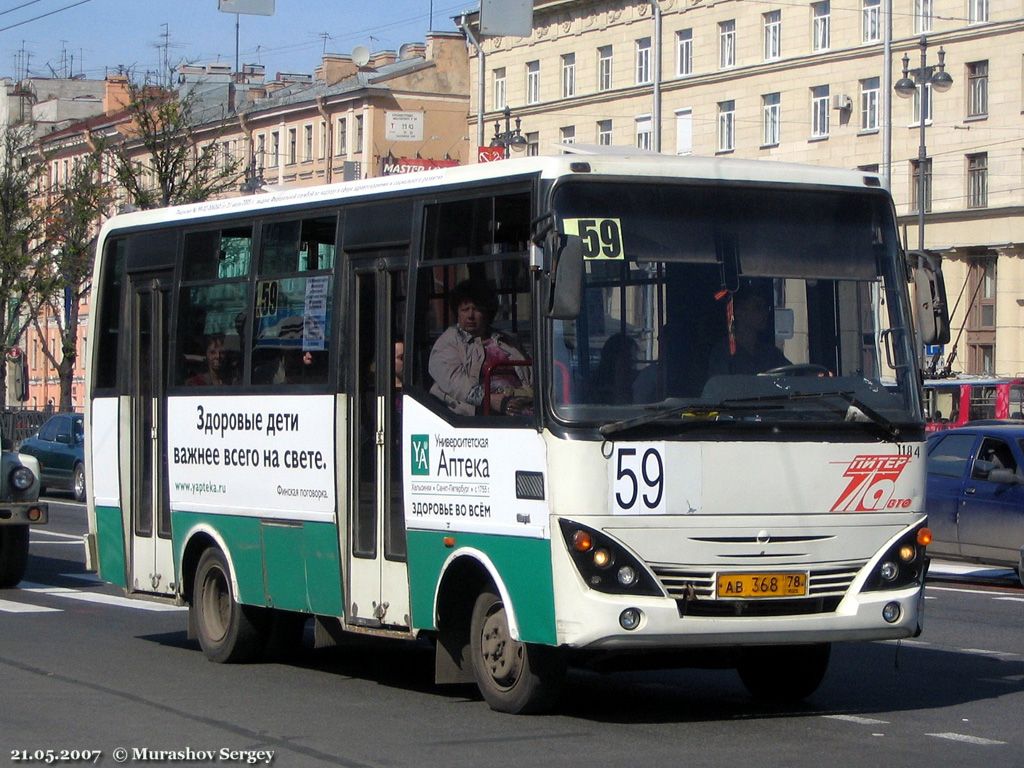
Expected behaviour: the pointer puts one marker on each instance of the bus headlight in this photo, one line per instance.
(605, 564)
(903, 564)
(22, 478)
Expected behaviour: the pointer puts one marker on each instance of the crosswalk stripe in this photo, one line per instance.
(967, 739)
(99, 597)
(9, 606)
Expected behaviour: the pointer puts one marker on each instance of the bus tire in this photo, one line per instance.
(13, 554)
(513, 677)
(228, 631)
(783, 674)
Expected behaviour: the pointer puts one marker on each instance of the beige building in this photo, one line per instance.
(351, 117)
(801, 82)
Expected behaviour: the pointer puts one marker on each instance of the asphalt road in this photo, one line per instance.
(83, 669)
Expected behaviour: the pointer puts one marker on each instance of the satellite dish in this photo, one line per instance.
(361, 55)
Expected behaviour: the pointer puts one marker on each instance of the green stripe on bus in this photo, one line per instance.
(523, 565)
(111, 546)
(292, 566)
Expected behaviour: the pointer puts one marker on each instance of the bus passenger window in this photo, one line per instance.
(211, 324)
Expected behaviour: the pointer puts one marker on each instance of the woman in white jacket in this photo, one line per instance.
(466, 350)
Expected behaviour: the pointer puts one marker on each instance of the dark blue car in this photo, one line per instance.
(975, 495)
(59, 445)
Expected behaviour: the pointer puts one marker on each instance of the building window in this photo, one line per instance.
(819, 111)
(981, 319)
(977, 180)
(568, 75)
(684, 132)
(499, 90)
(977, 89)
(643, 60)
(604, 132)
(604, 68)
(307, 143)
(914, 181)
(726, 126)
(261, 152)
(684, 52)
(293, 141)
(643, 132)
(532, 82)
(822, 28)
(567, 134)
(772, 119)
(359, 134)
(727, 44)
(342, 136)
(533, 144)
(275, 148)
(923, 13)
(321, 150)
(869, 92)
(772, 35)
(977, 11)
(871, 21)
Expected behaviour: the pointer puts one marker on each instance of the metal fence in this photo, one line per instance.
(16, 425)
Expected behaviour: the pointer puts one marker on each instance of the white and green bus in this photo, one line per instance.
(714, 450)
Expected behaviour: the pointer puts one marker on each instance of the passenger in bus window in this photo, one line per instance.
(616, 372)
(466, 350)
(748, 351)
(218, 364)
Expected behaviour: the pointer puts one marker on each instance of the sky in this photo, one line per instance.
(93, 37)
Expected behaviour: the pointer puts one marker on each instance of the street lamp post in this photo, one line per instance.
(913, 79)
(509, 139)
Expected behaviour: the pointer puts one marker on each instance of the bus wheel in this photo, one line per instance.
(226, 629)
(13, 554)
(513, 677)
(783, 674)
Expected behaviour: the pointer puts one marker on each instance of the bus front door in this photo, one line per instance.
(378, 589)
(152, 563)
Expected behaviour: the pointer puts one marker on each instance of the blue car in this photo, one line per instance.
(975, 494)
(59, 445)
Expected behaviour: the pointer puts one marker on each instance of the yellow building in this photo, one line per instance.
(800, 82)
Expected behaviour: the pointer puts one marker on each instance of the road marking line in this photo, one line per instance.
(856, 719)
(55, 534)
(984, 652)
(9, 606)
(99, 597)
(1010, 599)
(36, 543)
(967, 739)
(92, 578)
(988, 592)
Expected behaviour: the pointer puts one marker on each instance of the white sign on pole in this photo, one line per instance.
(403, 126)
(252, 7)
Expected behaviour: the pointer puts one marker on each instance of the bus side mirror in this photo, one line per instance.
(565, 288)
(930, 301)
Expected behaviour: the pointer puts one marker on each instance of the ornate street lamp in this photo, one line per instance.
(917, 81)
(508, 139)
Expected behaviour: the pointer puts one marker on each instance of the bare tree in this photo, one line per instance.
(170, 152)
(62, 280)
(21, 226)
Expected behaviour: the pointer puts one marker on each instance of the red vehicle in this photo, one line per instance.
(952, 403)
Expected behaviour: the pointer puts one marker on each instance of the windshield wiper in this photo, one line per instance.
(699, 415)
(858, 406)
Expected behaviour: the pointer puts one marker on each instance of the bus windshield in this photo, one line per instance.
(729, 304)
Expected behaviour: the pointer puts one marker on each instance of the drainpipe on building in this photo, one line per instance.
(481, 62)
(887, 96)
(656, 114)
(321, 107)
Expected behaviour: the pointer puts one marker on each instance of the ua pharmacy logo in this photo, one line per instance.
(872, 484)
(420, 463)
